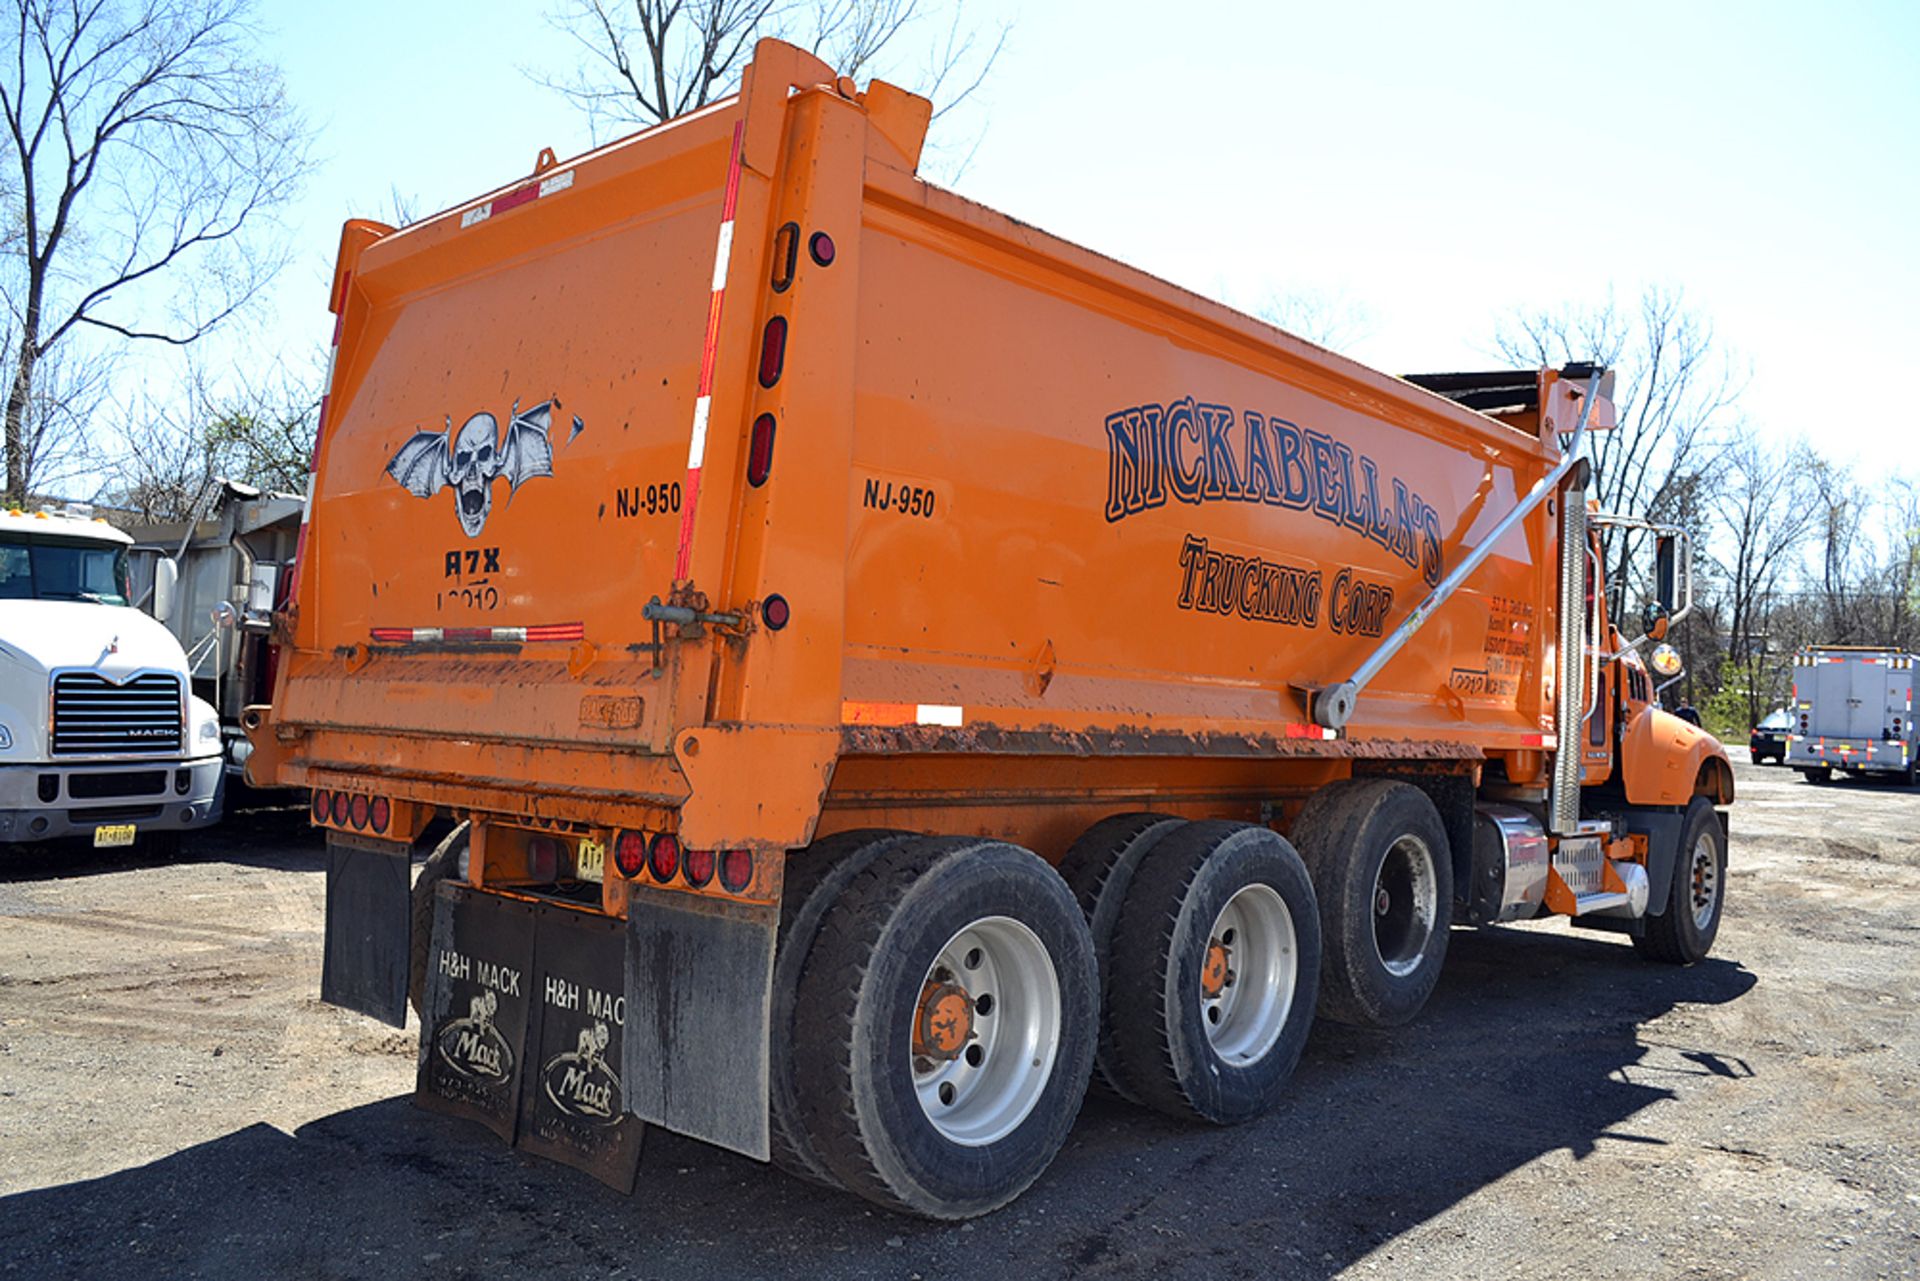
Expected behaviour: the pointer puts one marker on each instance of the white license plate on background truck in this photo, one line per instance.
(112, 835)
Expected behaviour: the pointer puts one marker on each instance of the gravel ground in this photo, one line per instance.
(175, 1102)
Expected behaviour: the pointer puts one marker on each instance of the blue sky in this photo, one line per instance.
(1430, 169)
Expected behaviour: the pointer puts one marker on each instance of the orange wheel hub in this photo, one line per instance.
(1213, 975)
(943, 1024)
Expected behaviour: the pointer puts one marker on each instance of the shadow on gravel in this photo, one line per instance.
(265, 830)
(1531, 1045)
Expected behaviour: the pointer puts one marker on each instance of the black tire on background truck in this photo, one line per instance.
(814, 878)
(1215, 965)
(1098, 869)
(944, 1026)
(1818, 774)
(448, 859)
(1684, 933)
(1382, 870)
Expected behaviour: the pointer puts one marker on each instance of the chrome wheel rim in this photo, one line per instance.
(1406, 903)
(1705, 881)
(1245, 1010)
(1005, 1055)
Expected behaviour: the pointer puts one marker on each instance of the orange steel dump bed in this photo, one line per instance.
(1019, 500)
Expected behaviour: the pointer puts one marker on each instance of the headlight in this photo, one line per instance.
(209, 731)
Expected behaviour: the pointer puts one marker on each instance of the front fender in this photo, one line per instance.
(1667, 761)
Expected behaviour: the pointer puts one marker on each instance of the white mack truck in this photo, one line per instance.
(100, 737)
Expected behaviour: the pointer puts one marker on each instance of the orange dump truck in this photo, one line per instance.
(890, 668)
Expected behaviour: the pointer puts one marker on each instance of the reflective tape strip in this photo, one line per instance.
(524, 194)
(710, 346)
(480, 635)
(944, 715)
(1309, 731)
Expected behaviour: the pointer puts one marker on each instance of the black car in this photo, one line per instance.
(1769, 738)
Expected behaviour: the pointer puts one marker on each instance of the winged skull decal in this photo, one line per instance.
(470, 460)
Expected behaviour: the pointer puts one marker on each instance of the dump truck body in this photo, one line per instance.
(729, 492)
(1852, 710)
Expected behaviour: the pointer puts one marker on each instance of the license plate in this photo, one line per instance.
(112, 835)
(590, 863)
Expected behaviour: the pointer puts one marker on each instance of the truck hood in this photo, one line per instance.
(114, 640)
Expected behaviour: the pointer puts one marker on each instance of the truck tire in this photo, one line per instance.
(1383, 873)
(1215, 963)
(1818, 774)
(944, 1026)
(1098, 869)
(446, 860)
(1684, 933)
(814, 878)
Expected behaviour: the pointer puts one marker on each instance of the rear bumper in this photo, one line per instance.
(72, 798)
(1865, 755)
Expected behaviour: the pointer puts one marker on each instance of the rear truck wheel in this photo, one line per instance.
(449, 859)
(1383, 873)
(1216, 956)
(1098, 869)
(1684, 933)
(1818, 774)
(944, 1026)
(815, 877)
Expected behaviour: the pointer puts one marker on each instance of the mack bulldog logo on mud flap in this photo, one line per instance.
(580, 1083)
(470, 460)
(473, 1047)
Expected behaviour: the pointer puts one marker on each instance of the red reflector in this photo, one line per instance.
(773, 351)
(663, 856)
(760, 451)
(776, 612)
(543, 858)
(360, 811)
(339, 807)
(381, 813)
(699, 867)
(320, 803)
(630, 853)
(820, 245)
(736, 869)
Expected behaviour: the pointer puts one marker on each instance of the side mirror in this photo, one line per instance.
(166, 577)
(225, 615)
(1666, 575)
(1665, 660)
(1654, 620)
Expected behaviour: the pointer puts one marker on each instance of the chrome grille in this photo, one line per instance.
(94, 716)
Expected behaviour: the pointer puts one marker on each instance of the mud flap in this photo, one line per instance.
(699, 983)
(572, 1107)
(474, 1029)
(369, 919)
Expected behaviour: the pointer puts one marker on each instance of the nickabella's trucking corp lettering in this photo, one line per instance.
(1201, 453)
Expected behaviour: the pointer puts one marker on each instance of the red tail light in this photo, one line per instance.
(820, 245)
(339, 808)
(760, 451)
(380, 813)
(663, 856)
(736, 870)
(630, 853)
(776, 612)
(321, 801)
(360, 812)
(543, 858)
(700, 864)
(773, 351)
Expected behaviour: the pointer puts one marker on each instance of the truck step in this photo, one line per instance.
(1598, 901)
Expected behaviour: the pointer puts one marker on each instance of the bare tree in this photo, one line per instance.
(1675, 395)
(651, 60)
(145, 147)
(1764, 515)
(1333, 321)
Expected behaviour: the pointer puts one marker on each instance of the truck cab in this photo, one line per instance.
(99, 736)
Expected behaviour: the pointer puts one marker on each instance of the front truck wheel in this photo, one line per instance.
(1381, 867)
(814, 879)
(944, 1026)
(1215, 960)
(1684, 933)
